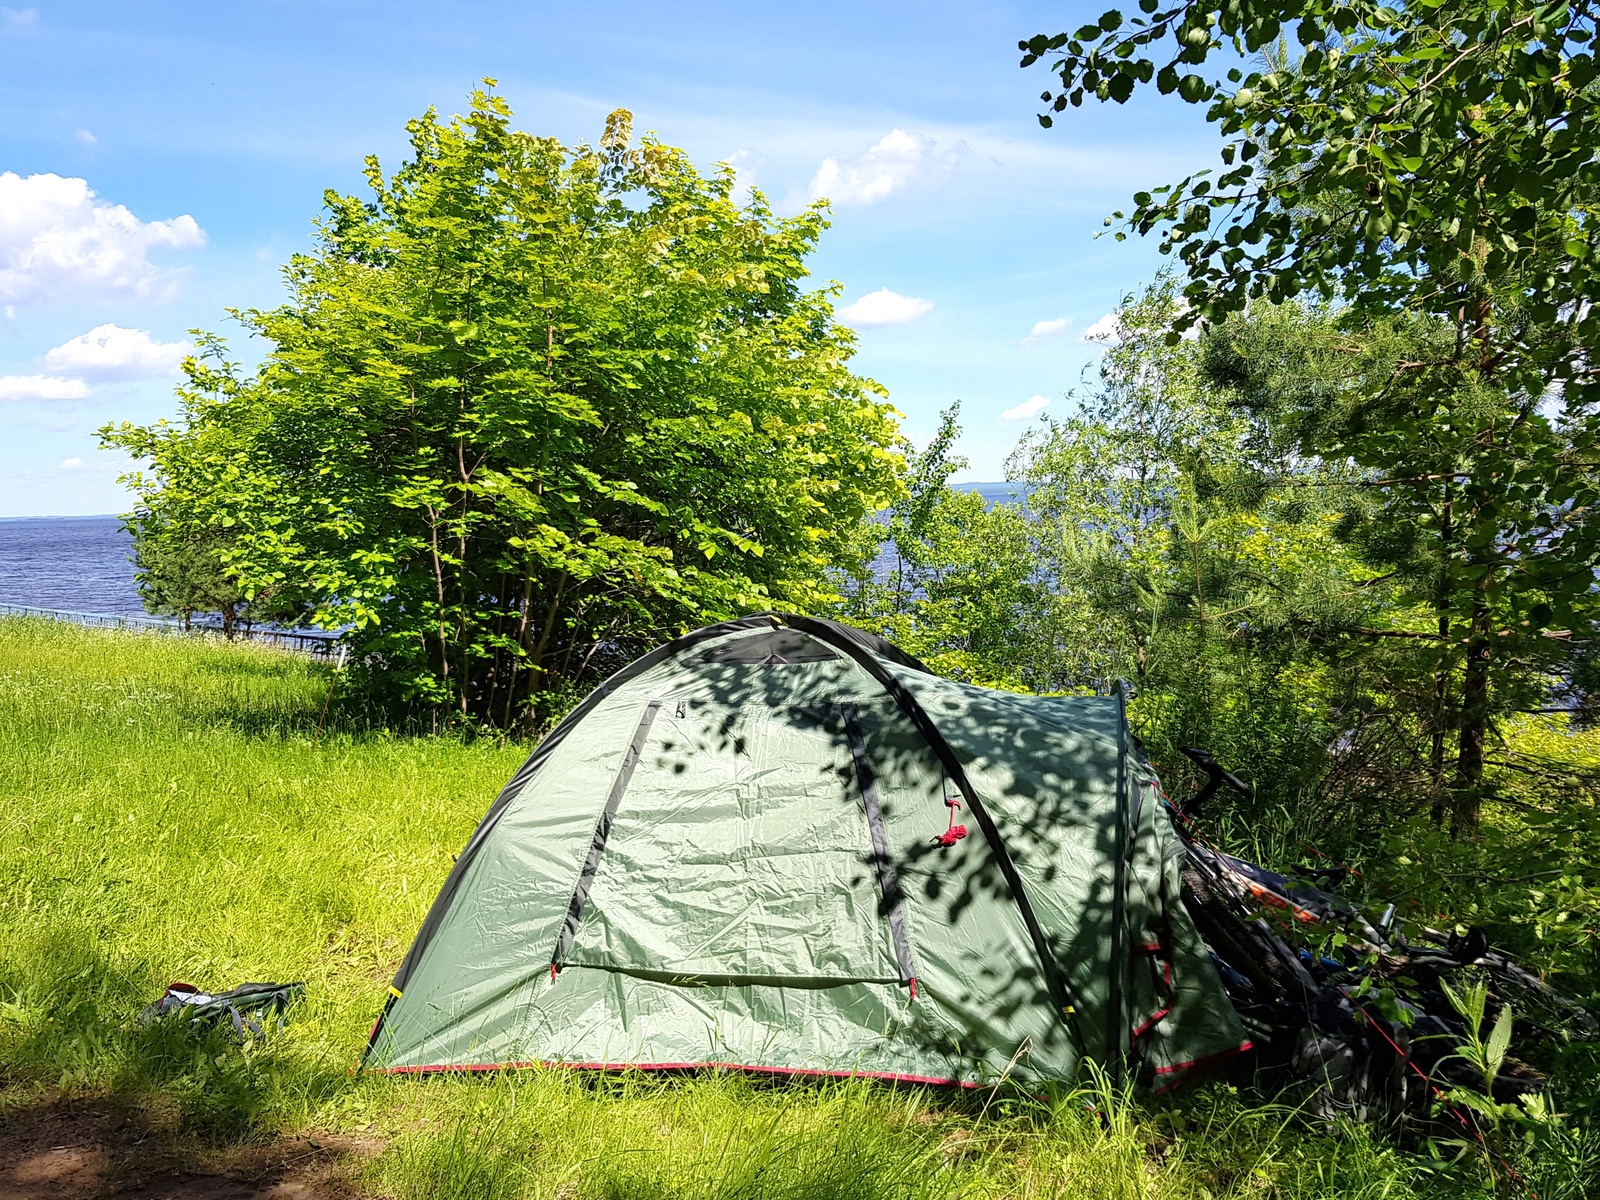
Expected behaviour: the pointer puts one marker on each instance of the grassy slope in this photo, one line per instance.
(165, 813)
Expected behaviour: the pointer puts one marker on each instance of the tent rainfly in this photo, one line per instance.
(784, 845)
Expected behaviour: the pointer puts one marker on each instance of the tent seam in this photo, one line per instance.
(909, 705)
(888, 879)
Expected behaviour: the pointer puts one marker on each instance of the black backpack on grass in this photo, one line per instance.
(247, 1007)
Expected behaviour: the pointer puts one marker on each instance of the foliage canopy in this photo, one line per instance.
(1429, 172)
(529, 409)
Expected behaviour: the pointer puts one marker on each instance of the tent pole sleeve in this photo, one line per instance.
(602, 833)
(888, 878)
(1060, 994)
(1116, 1024)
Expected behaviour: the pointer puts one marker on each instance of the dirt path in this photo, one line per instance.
(82, 1152)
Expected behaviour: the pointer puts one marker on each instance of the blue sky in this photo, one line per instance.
(159, 162)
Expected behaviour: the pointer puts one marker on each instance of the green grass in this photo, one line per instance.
(166, 813)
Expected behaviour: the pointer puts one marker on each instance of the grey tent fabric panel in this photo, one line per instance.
(1195, 1022)
(605, 1018)
(1061, 997)
(976, 961)
(1044, 768)
(514, 896)
(888, 881)
(547, 746)
(602, 832)
(1048, 770)
(771, 647)
(741, 853)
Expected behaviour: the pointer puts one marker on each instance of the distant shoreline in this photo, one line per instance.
(972, 486)
(78, 517)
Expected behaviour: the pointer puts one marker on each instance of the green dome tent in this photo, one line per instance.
(747, 850)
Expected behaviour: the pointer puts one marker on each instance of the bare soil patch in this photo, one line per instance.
(69, 1151)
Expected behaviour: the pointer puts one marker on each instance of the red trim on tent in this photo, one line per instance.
(678, 1066)
(1149, 1022)
(1243, 1047)
(1156, 950)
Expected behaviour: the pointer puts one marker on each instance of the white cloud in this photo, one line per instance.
(1031, 407)
(743, 163)
(56, 238)
(71, 464)
(86, 138)
(19, 18)
(884, 307)
(41, 387)
(106, 352)
(1043, 330)
(1107, 329)
(112, 352)
(891, 164)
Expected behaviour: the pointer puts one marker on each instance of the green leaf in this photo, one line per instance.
(1499, 1043)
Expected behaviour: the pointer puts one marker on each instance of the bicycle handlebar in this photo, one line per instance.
(1216, 776)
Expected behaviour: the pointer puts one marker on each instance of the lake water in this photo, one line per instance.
(82, 564)
(996, 493)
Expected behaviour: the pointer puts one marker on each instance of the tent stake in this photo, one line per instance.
(328, 699)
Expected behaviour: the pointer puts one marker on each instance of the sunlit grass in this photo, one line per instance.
(167, 812)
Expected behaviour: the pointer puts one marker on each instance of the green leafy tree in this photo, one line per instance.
(179, 576)
(528, 409)
(1212, 584)
(1431, 168)
(1103, 484)
(1150, 542)
(1438, 156)
(182, 549)
(959, 584)
(1452, 506)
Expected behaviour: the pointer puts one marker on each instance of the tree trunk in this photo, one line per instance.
(536, 654)
(1441, 679)
(1441, 700)
(1474, 728)
(438, 584)
(514, 668)
(1464, 810)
